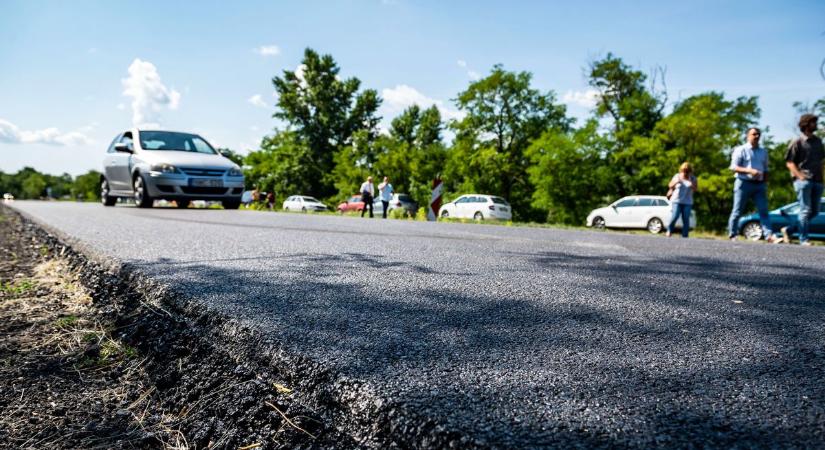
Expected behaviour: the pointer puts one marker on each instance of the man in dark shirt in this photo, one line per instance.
(804, 160)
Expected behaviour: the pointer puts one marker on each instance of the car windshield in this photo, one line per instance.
(181, 142)
(499, 200)
(311, 199)
(404, 198)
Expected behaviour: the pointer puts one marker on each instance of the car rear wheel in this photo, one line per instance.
(182, 204)
(105, 198)
(598, 223)
(142, 198)
(478, 216)
(231, 204)
(655, 225)
(752, 231)
(303, 209)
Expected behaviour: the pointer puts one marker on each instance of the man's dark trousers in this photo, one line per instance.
(367, 199)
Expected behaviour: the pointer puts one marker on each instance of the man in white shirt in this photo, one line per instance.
(367, 193)
(386, 194)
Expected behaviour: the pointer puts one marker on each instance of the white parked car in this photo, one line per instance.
(652, 212)
(478, 207)
(8, 197)
(303, 203)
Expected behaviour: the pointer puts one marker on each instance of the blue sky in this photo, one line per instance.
(66, 87)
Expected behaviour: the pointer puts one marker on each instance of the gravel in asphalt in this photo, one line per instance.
(517, 337)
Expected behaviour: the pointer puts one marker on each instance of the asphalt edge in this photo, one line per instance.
(347, 404)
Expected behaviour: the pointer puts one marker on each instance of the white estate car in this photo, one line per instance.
(637, 211)
(303, 203)
(478, 207)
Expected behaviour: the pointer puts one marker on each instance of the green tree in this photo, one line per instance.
(503, 115)
(413, 153)
(324, 111)
(570, 172)
(86, 187)
(283, 165)
(34, 186)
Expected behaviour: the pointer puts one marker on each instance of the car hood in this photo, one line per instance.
(315, 204)
(186, 159)
(600, 211)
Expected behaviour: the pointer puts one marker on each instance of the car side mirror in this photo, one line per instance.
(783, 212)
(122, 147)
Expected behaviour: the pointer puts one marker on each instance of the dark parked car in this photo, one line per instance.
(781, 217)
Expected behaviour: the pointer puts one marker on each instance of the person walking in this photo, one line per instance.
(682, 185)
(804, 160)
(749, 163)
(385, 188)
(270, 201)
(367, 193)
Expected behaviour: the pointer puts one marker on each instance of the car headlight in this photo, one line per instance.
(164, 168)
(234, 172)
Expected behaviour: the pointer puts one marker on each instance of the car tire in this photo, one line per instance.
(478, 216)
(231, 204)
(598, 223)
(303, 210)
(445, 214)
(105, 198)
(752, 230)
(655, 225)
(142, 198)
(182, 204)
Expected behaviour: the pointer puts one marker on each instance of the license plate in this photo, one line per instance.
(205, 182)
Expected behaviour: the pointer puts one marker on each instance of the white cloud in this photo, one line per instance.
(461, 63)
(11, 134)
(475, 76)
(256, 100)
(268, 50)
(149, 95)
(402, 96)
(121, 106)
(586, 99)
(299, 73)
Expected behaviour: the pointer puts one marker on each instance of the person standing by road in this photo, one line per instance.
(270, 201)
(804, 160)
(683, 185)
(367, 193)
(385, 188)
(749, 163)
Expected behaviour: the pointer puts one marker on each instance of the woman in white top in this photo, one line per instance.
(682, 185)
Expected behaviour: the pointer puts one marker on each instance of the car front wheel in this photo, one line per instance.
(752, 231)
(445, 214)
(598, 223)
(231, 204)
(105, 198)
(142, 198)
(655, 225)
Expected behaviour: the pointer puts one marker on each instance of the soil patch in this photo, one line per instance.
(86, 362)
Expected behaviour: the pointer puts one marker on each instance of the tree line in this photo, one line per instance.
(28, 183)
(512, 140)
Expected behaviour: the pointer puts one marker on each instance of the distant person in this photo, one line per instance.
(256, 195)
(683, 185)
(804, 161)
(749, 163)
(270, 201)
(367, 194)
(385, 188)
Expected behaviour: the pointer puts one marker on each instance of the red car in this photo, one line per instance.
(353, 204)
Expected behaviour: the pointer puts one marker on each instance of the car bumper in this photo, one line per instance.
(176, 186)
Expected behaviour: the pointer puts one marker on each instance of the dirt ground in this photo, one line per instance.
(81, 370)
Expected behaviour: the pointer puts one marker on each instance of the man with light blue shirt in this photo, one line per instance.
(749, 163)
(386, 191)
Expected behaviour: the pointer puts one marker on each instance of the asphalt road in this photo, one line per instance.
(518, 337)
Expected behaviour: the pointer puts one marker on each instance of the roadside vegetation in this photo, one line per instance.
(504, 137)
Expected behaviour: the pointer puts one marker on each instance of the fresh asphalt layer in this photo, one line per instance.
(517, 337)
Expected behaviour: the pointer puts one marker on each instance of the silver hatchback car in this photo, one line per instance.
(149, 165)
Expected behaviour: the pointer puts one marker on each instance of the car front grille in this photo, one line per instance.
(203, 172)
(203, 190)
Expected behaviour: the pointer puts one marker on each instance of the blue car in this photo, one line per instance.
(782, 217)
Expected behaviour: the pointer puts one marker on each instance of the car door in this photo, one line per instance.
(465, 207)
(118, 172)
(625, 212)
(109, 163)
(645, 210)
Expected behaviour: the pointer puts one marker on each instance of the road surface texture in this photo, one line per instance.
(510, 337)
